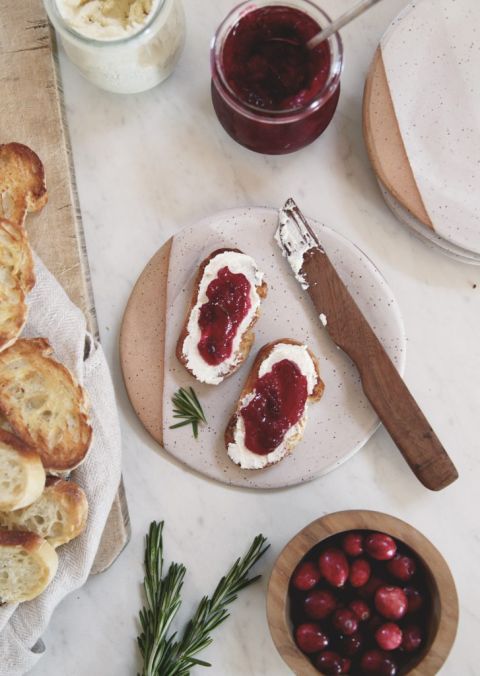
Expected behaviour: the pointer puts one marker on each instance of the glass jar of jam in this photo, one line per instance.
(270, 92)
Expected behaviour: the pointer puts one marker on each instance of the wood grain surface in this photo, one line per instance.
(142, 342)
(445, 600)
(32, 113)
(381, 382)
(384, 142)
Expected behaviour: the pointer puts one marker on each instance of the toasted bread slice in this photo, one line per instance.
(27, 566)
(16, 254)
(22, 182)
(291, 350)
(187, 346)
(22, 476)
(44, 405)
(59, 515)
(13, 308)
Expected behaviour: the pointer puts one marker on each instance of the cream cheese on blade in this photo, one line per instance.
(106, 19)
(236, 263)
(237, 451)
(294, 244)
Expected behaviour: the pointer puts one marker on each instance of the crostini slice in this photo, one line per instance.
(217, 335)
(28, 564)
(271, 413)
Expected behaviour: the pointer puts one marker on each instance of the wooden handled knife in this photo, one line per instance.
(349, 329)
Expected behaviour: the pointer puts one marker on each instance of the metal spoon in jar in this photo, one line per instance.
(342, 21)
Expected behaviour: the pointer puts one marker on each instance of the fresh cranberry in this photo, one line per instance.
(360, 608)
(310, 638)
(360, 571)
(331, 663)
(380, 546)
(402, 567)
(414, 599)
(352, 544)
(350, 645)
(412, 638)
(389, 636)
(345, 621)
(377, 662)
(334, 567)
(306, 576)
(391, 602)
(371, 587)
(319, 604)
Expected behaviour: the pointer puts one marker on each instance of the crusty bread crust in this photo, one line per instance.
(248, 335)
(22, 182)
(16, 253)
(13, 308)
(58, 515)
(30, 563)
(249, 387)
(44, 405)
(22, 469)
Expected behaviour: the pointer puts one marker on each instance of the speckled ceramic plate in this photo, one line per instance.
(428, 236)
(338, 426)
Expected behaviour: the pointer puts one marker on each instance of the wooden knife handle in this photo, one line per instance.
(382, 384)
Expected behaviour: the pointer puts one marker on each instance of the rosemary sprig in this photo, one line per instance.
(188, 408)
(162, 601)
(163, 656)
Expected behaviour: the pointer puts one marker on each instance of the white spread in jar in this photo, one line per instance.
(123, 46)
(238, 451)
(106, 19)
(236, 263)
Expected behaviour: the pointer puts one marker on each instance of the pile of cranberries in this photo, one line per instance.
(360, 604)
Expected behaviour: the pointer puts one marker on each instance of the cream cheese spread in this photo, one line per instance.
(236, 263)
(106, 19)
(237, 451)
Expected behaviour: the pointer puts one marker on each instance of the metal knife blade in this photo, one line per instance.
(346, 325)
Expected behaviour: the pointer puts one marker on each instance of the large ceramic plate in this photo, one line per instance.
(338, 426)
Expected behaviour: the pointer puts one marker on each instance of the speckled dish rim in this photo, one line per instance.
(431, 238)
(394, 309)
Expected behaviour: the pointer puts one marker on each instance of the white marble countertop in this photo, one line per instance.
(146, 166)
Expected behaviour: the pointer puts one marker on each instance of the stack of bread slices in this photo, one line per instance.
(45, 431)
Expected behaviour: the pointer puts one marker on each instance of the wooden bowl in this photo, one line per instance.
(442, 587)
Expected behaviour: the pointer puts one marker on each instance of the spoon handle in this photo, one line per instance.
(342, 21)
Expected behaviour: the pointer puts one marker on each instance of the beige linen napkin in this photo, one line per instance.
(52, 315)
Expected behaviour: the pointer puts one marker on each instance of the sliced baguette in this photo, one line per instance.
(59, 515)
(243, 456)
(27, 566)
(13, 308)
(22, 476)
(16, 254)
(247, 337)
(44, 405)
(22, 182)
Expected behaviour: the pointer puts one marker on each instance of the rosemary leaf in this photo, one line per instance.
(163, 655)
(188, 408)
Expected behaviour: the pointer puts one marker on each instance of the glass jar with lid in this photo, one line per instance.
(125, 47)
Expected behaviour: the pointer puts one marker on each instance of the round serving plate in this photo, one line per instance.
(422, 144)
(338, 426)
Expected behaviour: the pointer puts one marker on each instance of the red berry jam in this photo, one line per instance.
(270, 91)
(278, 404)
(228, 303)
(354, 600)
